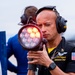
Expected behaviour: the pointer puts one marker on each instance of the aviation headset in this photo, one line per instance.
(60, 21)
(24, 19)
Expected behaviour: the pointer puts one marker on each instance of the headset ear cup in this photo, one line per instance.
(24, 19)
(61, 24)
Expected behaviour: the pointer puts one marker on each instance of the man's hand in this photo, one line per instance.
(39, 57)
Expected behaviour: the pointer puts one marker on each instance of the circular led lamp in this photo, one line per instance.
(30, 37)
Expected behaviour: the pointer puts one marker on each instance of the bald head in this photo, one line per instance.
(46, 14)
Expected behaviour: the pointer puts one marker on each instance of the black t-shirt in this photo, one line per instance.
(63, 56)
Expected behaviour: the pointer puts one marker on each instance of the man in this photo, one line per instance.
(60, 57)
(14, 47)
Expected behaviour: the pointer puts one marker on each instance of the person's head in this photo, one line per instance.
(50, 22)
(28, 11)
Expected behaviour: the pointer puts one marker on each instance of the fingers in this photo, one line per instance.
(37, 56)
(33, 55)
(44, 48)
(33, 61)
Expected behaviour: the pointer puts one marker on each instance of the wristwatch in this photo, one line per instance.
(52, 66)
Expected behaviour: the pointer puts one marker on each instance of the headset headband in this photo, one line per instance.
(53, 8)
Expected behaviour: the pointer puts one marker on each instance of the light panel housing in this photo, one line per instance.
(30, 37)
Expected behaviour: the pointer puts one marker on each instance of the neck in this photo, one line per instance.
(54, 42)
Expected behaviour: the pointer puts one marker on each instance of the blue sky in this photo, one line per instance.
(11, 10)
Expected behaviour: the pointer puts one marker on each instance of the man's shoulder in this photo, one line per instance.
(69, 46)
(67, 43)
(13, 38)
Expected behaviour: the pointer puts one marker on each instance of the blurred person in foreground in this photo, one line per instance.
(60, 57)
(14, 47)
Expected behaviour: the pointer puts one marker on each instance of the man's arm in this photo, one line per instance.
(31, 68)
(10, 66)
(58, 71)
(31, 72)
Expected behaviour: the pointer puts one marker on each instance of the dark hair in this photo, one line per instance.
(30, 11)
